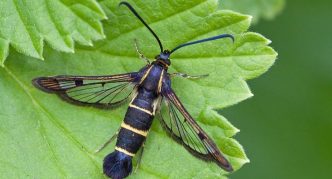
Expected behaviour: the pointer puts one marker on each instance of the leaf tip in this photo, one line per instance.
(72, 51)
(2, 61)
(250, 18)
(105, 17)
(101, 11)
(268, 41)
(236, 130)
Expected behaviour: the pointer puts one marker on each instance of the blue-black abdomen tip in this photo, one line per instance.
(117, 165)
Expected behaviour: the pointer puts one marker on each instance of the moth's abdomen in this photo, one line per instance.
(132, 134)
(137, 122)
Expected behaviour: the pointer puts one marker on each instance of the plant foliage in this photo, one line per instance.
(42, 136)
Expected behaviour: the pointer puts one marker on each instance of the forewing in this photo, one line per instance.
(98, 91)
(182, 127)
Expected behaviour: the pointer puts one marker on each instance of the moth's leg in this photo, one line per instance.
(108, 142)
(141, 56)
(139, 158)
(183, 75)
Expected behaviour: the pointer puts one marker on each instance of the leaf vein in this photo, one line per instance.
(80, 18)
(41, 129)
(52, 119)
(19, 12)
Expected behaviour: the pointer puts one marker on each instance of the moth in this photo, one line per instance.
(150, 91)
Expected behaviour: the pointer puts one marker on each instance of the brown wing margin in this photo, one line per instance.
(187, 132)
(97, 91)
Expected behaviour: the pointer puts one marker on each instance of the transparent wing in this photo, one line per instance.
(184, 129)
(98, 91)
(174, 123)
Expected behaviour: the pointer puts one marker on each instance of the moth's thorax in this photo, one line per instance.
(151, 78)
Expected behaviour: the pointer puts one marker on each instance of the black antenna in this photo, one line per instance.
(204, 40)
(140, 18)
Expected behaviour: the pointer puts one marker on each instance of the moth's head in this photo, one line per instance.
(164, 57)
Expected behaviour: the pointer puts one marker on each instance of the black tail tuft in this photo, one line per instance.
(117, 165)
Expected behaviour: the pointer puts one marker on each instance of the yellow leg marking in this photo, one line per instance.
(124, 151)
(141, 109)
(133, 129)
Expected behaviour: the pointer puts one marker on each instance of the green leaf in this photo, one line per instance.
(266, 9)
(42, 136)
(25, 25)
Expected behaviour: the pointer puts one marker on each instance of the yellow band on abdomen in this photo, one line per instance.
(141, 109)
(124, 151)
(133, 129)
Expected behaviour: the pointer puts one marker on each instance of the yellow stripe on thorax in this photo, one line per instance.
(160, 81)
(146, 74)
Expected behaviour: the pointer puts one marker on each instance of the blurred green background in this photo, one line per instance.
(286, 128)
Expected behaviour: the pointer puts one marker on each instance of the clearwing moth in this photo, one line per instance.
(149, 90)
